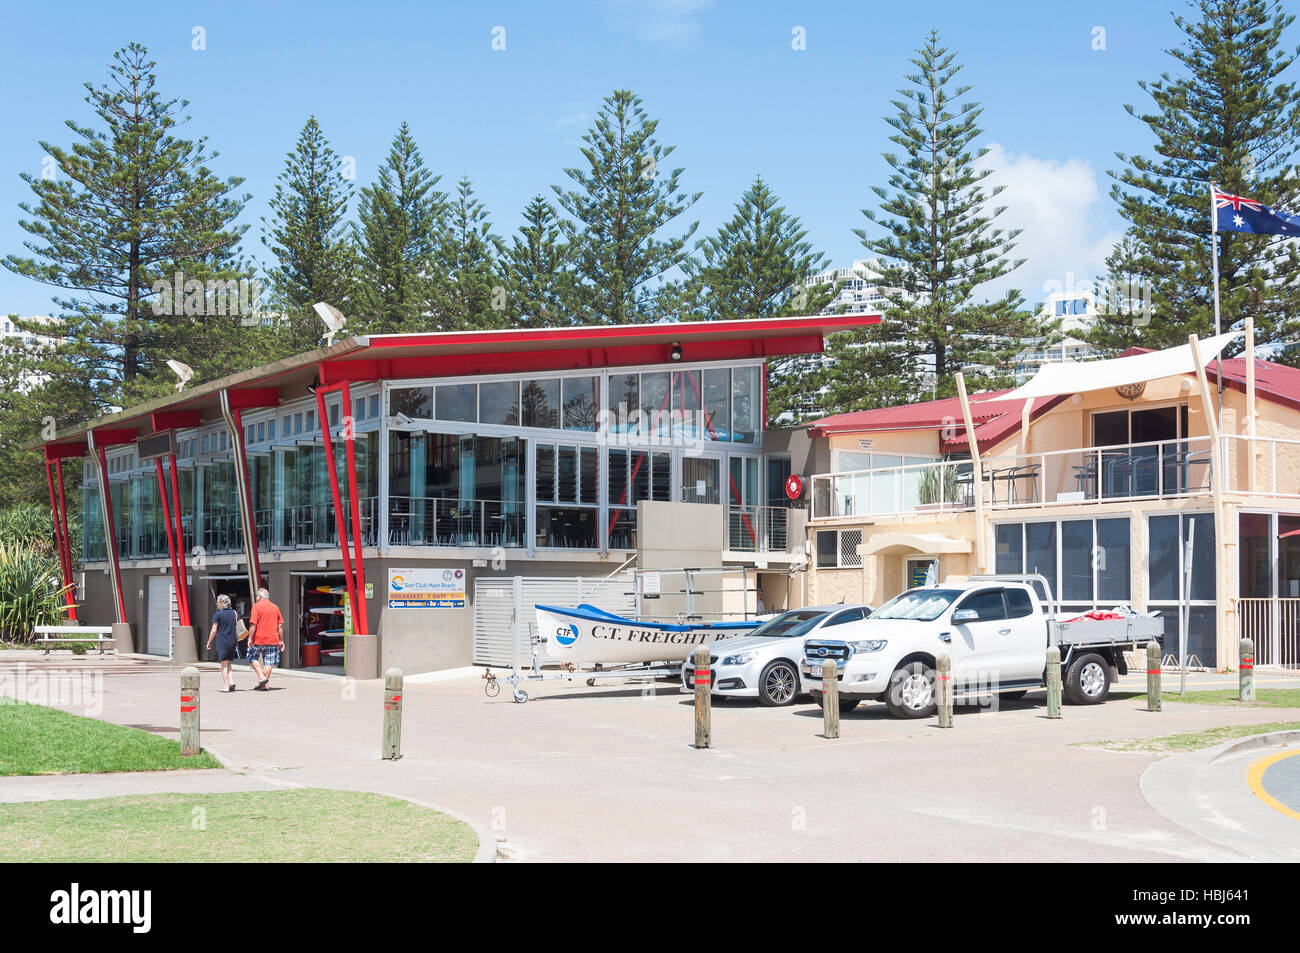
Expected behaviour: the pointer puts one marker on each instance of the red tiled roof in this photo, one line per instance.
(995, 420)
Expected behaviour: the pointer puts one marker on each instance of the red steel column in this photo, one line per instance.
(61, 537)
(358, 568)
(173, 548)
(339, 517)
(184, 588)
(110, 530)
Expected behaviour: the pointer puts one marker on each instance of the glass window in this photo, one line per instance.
(456, 402)
(297, 424)
(624, 402)
(746, 403)
(987, 604)
(1040, 550)
(1019, 603)
(541, 404)
(580, 397)
(850, 615)
(1163, 558)
(414, 402)
(1112, 558)
(498, 403)
(655, 413)
(685, 400)
(1202, 555)
(1076, 560)
(1010, 548)
(545, 472)
(828, 549)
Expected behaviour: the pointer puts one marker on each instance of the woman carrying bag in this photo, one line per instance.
(226, 626)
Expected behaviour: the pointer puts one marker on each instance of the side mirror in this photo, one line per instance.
(965, 615)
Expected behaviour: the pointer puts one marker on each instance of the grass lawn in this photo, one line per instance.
(39, 740)
(1264, 697)
(1191, 740)
(254, 826)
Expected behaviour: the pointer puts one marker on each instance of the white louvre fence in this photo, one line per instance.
(503, 609)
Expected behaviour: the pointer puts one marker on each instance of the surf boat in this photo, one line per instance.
(586, 635)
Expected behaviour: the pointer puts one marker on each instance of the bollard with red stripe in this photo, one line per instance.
(703, 683)
(392, 743)
(943, 689)
(1153, 676)
(189, 722)
(1246, 671)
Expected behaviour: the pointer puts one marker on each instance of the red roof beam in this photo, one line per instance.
(254, 397)
(114, 438)
(175, 420)
(63, 451)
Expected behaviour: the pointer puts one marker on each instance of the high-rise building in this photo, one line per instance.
(12, 337)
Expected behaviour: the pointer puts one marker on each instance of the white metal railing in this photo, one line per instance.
(921, 487)
(1136, 471)
(1273, 471)
(1133, 471)
(1273, 624)
(757, 529)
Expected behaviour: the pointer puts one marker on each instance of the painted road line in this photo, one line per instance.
(1255, 778)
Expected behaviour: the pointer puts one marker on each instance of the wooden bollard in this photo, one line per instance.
(703, 699)
(1053, 682)
(392, 745)
(1246, 671)
(830, 699)
(190, 711)
(1153, 676)
(943, 685)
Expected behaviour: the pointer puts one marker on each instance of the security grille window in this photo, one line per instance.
(567, 496)
(838, 549)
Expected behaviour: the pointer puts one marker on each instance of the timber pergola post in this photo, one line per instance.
(977, 477)
(1225, 646)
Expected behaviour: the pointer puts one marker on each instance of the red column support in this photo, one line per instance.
(173, 548)
(60, 535)
(180, 534)
(358, 567)
(340, 517)
(110, 532)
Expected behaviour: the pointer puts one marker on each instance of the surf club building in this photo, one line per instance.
(1122, 481)
(407, 498)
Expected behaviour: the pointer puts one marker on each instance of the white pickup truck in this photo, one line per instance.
(996, 629)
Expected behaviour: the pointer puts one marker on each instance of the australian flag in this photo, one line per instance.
(1232, 213)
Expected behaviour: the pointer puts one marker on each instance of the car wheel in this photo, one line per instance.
(912, 691)
(1088, 680)
(779, 684)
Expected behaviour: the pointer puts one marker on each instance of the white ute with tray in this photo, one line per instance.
(996, 629)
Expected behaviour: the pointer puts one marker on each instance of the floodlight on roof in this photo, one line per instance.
(183, 371)
(333, 318)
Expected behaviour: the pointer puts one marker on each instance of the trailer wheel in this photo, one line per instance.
(1088, 680)
(521, 696)
(912, 692)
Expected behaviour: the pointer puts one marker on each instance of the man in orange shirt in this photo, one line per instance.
(266, 638)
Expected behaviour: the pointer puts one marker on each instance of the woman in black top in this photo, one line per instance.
(223, 633)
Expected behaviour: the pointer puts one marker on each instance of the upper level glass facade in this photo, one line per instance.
(548, 462)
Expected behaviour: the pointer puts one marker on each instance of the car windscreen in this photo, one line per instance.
(795, 622)
(921, 605)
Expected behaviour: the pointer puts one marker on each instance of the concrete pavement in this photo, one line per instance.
(608, 773)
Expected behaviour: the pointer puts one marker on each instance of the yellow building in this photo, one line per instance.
(1101, 490)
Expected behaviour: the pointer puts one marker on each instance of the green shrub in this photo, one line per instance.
(30, 594)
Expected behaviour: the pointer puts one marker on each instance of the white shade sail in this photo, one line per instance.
(1075, 377)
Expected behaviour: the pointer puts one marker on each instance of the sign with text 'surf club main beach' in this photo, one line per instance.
(426, 588)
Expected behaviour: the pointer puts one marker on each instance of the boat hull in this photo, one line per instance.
(586, 635)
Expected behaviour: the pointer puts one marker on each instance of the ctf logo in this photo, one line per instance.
(563, 636)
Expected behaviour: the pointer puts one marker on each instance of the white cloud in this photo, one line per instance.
(672, 23)
(1061, 207)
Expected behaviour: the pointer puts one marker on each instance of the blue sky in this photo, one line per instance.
(731, 93)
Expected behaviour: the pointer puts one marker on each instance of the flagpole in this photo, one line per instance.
(1214, 251)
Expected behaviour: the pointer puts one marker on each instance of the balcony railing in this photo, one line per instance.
(442, 521)
(757, 529)
(1274, 471)
(924, 487)
(1153, 470)
(1273, 624)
